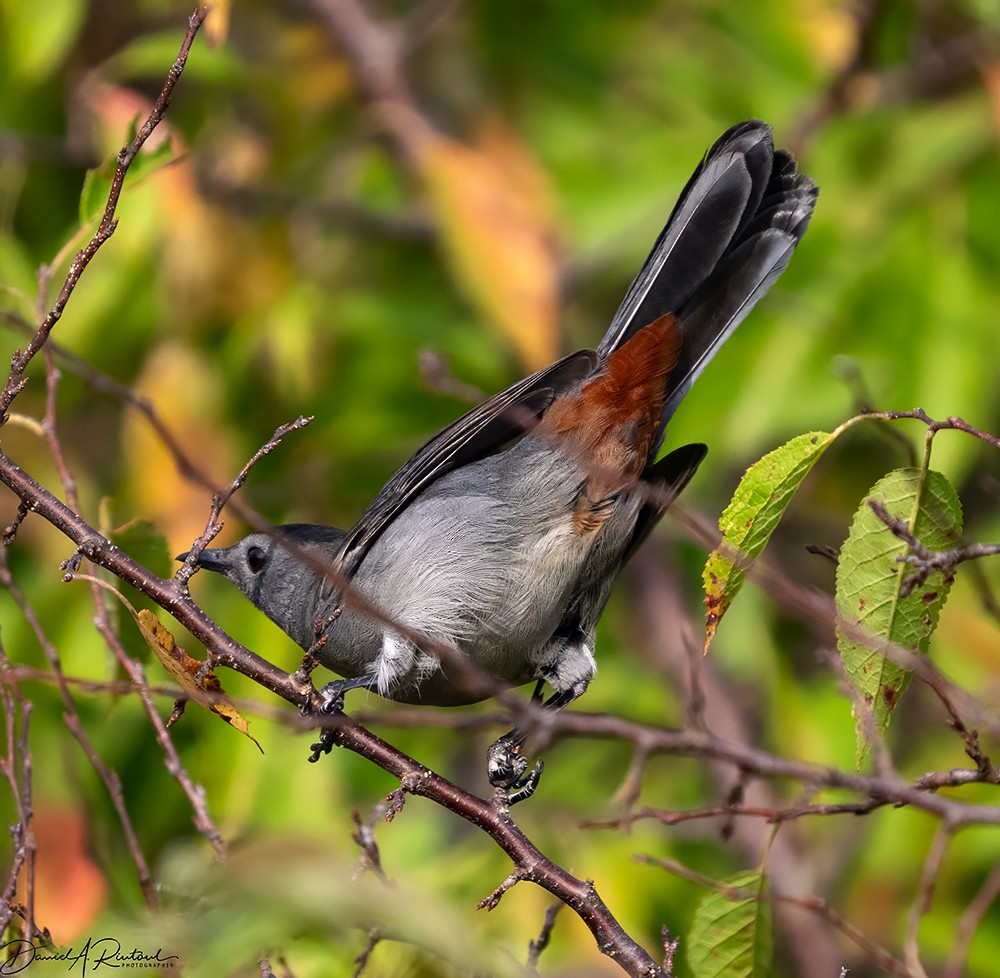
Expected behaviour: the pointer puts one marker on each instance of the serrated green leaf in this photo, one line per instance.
(869, 581)
(731, 938)
(749, 520)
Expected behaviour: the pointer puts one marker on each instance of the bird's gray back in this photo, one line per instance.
(486, 560)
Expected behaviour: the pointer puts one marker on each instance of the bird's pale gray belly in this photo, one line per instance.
(490, 577)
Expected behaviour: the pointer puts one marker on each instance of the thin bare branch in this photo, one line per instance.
(71, 717)
(925, 892)
(969, 923)
(106, 227)
(16, 765)
(541, 942)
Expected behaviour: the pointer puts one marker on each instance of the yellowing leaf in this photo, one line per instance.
(757, 506)
(205, 690)
(749, 520)
(501, 145)
(501, 250)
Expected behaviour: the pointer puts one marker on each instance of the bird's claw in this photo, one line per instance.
(506, 767)
(332, 695)
(505, 764)
(525, 787)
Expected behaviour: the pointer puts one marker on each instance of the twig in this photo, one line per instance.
(730, 809)
(925, 560)
(925, 892)
(530, 863)
(221, 497)
(669, 952)
(969, 923)
(106, 227)
(436, 374)
(582, 897)
(890, 789)
(71, 717)
(541, 942)
(949, 424)
(364, 836)
(710, 707)
(17, 770)
(195, 793)
(493, 900)
(819, 612)
(104, 383)
(366, 952)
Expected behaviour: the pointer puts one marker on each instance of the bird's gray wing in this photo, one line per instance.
(480, 432)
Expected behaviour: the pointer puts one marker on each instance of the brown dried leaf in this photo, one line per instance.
(206, 690)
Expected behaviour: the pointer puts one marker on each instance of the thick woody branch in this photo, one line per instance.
(531, 863)
(166, 593)
(172, 595)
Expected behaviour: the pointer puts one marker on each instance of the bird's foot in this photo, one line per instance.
(508, 771)
(332, 695)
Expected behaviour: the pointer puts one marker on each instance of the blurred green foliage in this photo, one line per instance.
(291, 262)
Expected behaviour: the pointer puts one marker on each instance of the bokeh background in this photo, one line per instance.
(374, 248)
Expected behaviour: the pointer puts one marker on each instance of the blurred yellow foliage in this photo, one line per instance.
(184, 389)
(497, 239)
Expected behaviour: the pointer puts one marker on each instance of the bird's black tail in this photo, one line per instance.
(728, 239)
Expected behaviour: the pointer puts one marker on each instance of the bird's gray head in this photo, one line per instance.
(269, 571)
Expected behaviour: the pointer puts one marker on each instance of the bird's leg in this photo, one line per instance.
(506, 766)
(333, 692)
(332, 695)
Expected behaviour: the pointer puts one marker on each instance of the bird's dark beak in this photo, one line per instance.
(211, 559)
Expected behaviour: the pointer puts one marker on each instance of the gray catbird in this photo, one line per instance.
(507, 552)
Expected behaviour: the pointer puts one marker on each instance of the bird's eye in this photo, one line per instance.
(256, 560)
